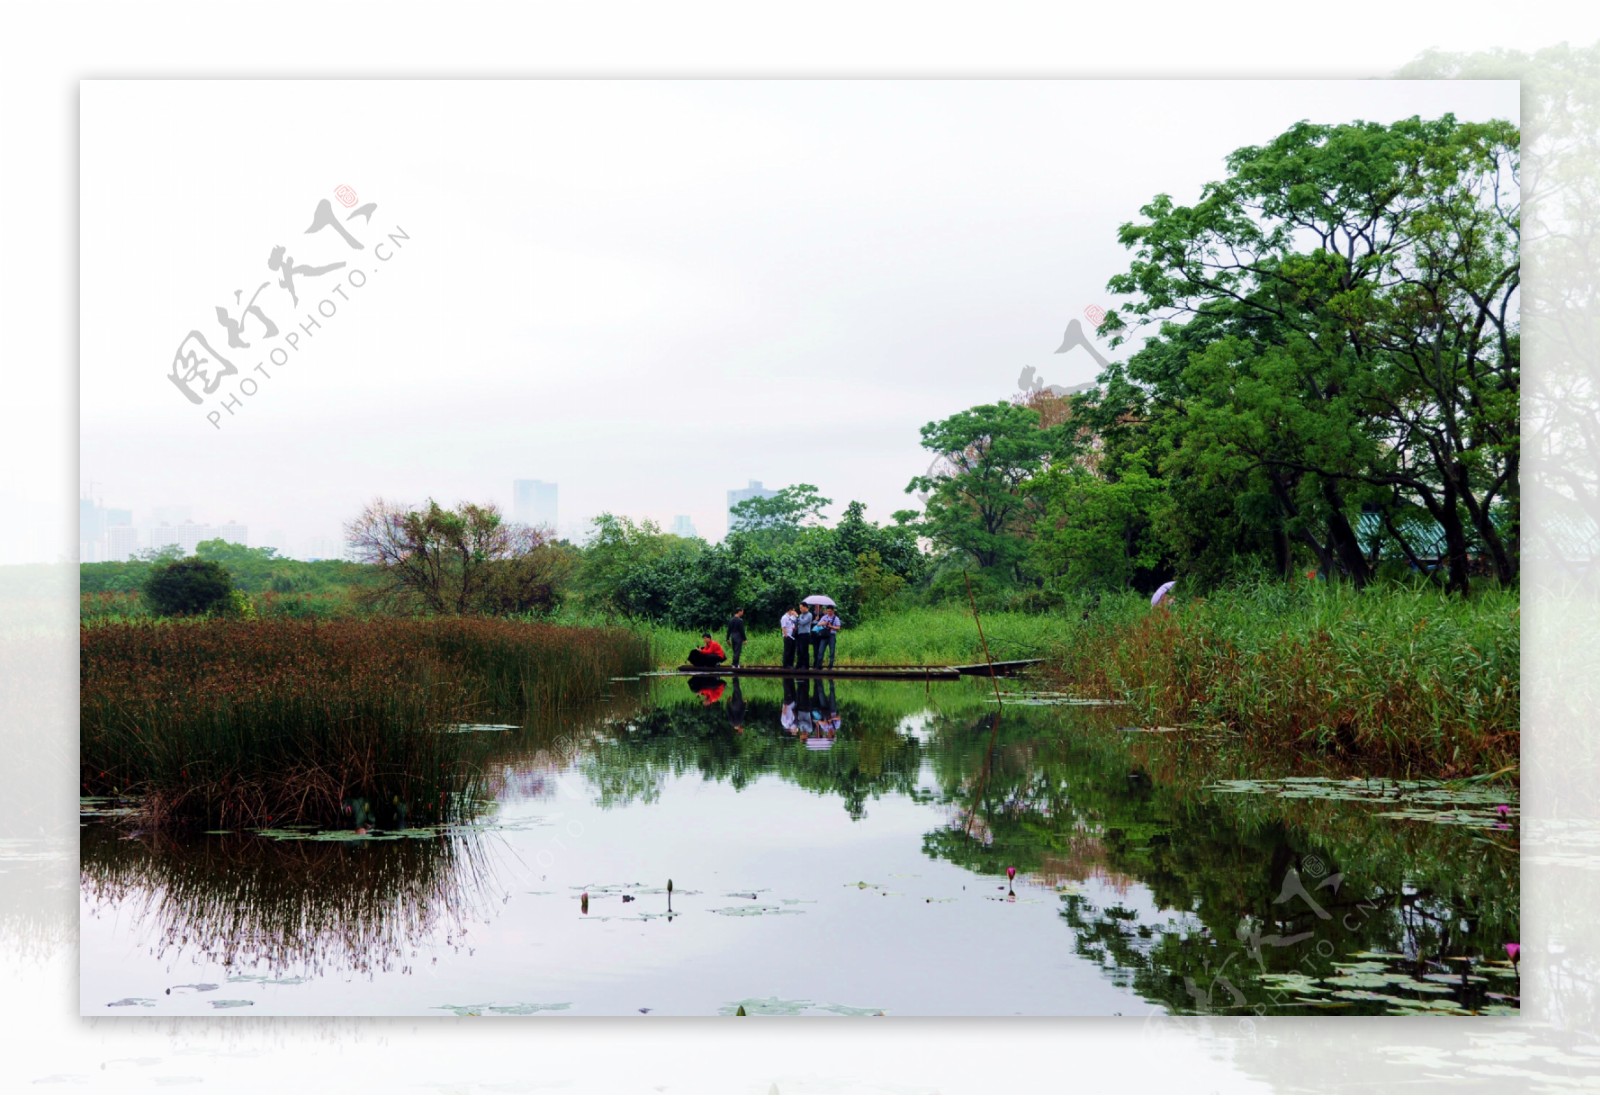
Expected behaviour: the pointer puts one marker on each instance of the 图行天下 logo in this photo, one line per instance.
(217, 379)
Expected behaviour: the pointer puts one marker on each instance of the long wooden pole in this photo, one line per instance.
(993, 677)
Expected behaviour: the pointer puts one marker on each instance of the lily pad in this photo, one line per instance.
(521, 1009)
(231, 1002)
(752, 911)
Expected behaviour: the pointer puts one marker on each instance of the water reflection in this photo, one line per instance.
(286, 908)
(1196, 901)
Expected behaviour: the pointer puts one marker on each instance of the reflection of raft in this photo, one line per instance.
(914, 673)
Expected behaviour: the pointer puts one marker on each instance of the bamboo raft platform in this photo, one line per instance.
(880, 672)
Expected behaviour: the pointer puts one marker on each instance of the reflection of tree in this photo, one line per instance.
(868, 759)
(1246, 887)
(308, 907)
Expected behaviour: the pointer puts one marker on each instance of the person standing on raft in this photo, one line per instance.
(736, 635)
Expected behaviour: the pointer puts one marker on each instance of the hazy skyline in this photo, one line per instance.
(646, 292)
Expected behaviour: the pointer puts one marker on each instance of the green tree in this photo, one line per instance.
(188, 587)
(1349, 292)
(1096, 533)
(782, 514)
(976, 502)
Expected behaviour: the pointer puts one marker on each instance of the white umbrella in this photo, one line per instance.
(1161, 592)
(818, 599)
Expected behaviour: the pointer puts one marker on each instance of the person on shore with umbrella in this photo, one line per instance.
(802, 637)
(1160, 596)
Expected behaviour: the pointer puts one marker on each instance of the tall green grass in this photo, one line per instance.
(250, 723)
(1413, 676)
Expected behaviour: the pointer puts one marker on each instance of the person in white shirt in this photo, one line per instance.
(787, 624)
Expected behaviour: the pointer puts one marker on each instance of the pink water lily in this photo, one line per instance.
(1011, 873)
(1513, 950)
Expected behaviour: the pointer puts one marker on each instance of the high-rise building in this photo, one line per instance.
(740, 494)
(122, 541)
(533, 502)
(232, 532)
(95, 521)
(683, 527)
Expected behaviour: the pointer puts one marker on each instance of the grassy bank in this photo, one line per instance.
(1407, 676)
(252, 723)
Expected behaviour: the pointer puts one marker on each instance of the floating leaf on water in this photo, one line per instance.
(267, 981)
(1290, 983)
(231, 1002)
(752, 911)
(1365, 995)
(143, 1002)
(1366, 979)
(198, 987)
(850, 1010)
(523, 1009)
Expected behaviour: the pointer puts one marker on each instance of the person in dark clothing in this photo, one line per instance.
(802, 638)
(736, 635)
(709, 653)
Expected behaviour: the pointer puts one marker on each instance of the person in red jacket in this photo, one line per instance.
(709, 653)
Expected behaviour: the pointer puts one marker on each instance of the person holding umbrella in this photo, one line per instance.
(819, 605)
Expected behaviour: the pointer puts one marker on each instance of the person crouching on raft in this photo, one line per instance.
(709, 653)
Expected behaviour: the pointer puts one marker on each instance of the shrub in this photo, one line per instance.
(188, 587)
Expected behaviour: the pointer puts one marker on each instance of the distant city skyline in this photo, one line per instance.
(535, 502)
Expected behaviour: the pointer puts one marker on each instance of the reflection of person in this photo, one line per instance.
(736, 708)
(707, 687)
(786, 624)
(786, 713)
(710, 653)
(736, 635)
(830, 709)
(827, 632)
(802, 638)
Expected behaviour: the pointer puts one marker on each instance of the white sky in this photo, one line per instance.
(647, 292)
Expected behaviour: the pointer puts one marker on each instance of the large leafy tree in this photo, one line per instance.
(976, 504)
(1339, 315)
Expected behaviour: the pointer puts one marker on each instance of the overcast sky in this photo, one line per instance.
(646, 292)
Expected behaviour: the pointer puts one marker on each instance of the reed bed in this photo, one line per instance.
(1411, 677)
(257, 723)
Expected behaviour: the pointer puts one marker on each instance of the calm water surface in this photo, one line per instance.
(833, 849)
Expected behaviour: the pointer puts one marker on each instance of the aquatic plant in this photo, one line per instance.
(252, 723)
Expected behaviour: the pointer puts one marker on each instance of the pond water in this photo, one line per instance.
(695, 847)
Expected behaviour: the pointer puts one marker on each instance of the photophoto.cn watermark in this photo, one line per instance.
(276, 325)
